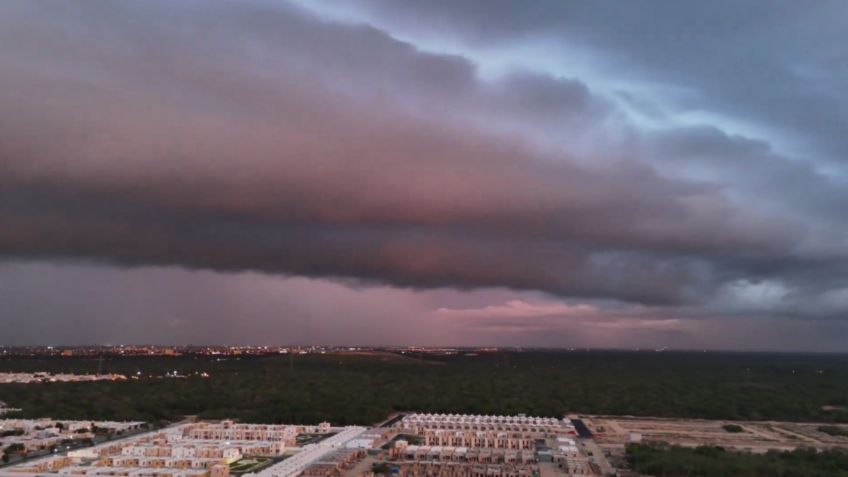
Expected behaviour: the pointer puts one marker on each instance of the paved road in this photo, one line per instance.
(598, 456)
(392, 420)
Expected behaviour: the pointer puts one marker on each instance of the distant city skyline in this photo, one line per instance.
(599, 174)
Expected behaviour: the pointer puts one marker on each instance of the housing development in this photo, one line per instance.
(26, 378)
(33, 437)
(407, 445)
(439, 412)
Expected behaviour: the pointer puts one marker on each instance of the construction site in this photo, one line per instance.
(613, 433)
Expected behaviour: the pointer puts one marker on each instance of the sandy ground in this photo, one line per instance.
(756, 436)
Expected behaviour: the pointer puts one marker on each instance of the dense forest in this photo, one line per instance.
(673, 461)
(347, 389)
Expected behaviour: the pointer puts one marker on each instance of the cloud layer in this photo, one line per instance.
(667, 162)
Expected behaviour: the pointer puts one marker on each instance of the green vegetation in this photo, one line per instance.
(834, 430)
(346, 389)
(673, 461)
(380, 468)
(303, 439)
(412, 439)
(16, 447)
(12, 449)
(250, 464)
(732, 428)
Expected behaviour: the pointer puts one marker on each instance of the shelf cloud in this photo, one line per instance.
(690, 162)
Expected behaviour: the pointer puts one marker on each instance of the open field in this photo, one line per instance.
(362, 389)
(756, 436)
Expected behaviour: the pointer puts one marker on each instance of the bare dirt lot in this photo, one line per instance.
(755, 436)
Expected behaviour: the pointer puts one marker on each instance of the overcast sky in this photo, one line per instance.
(570, 174)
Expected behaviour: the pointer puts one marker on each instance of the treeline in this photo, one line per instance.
(365, 389)
(834, 430)
(674, 461)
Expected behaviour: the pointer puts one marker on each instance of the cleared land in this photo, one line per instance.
(614, 432)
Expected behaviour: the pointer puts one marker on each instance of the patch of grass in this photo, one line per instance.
(380, 468)
(250, 464)
(304, 439)
(732, 428)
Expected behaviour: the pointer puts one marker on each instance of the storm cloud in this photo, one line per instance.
(665, 162)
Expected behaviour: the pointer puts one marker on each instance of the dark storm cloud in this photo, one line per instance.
(782, 64)
(240, 136)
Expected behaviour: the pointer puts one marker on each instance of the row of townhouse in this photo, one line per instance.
(146, 450)
(229, 430)
(493, 439)
(405, 452)
(156, 444)
(229, 450)
(27, 378)
(245, 448)
(230, 453)
(537, 426)
(219, 470)
(51, 464)
(171, 462)
(32, 444)
(108, 448)
(59, 427)
(39, 434)
(476, 418)
(5, 409)
(453, 469)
